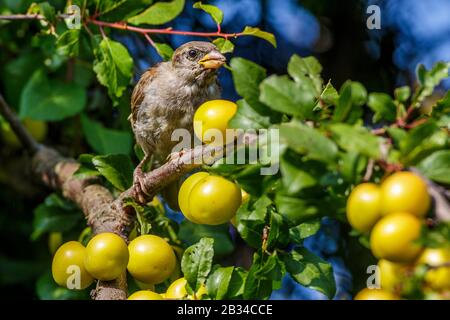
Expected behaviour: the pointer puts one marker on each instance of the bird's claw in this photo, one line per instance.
(175, 156)
(141, 193)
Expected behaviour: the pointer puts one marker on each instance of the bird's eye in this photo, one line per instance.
(192, 53)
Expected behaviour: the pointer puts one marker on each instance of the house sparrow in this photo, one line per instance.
(166, 98)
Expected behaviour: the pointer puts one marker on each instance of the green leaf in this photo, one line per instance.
(251, 221)
(308, 141)
(278, 232)
(86, 168)
(164, 50)
(256, 32)
(415, 137)
(306, 70)
(50, 100)
(442, 107)
(248, 118)
(196, 263)
(436, 237)
(50, 216)
(68, 44)
(351, 166)
(397, 135)
(218, 282)
(105, 6)
(48, 289)
(237, 283)
(295, 210)
(16, 73)
(284, 95)
(383, 106)
(47, 11)
(104, 140)
(329, 95)
(311, 271)
(191, 233)
(113, 66)
(297, 174)
(356, 139)
(304, 230)
(247, 76)
(215, 13)
(428, 80)
(113, 10)
(402, 94)
(436, 166)
(260, 209)
(352, 96)
(159, 13)
(224, 45)
(116, 168)
(262, 278)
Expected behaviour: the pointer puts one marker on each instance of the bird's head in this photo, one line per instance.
(197, 60)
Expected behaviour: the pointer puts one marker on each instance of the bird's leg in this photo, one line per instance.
(140, 191)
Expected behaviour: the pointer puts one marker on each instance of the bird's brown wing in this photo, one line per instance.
(138, 92)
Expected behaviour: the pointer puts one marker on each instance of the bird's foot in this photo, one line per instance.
(141, 193)
(175, 156)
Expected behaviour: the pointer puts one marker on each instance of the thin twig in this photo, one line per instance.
(124, 26)
(379, 131)
(415, 123)
(22, 17)
(150, 40)
(369, 170)
(102, 32)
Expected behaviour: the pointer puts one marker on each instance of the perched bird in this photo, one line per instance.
(166, 97)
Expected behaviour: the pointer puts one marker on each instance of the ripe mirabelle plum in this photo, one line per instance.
(185, 190)
(207, 199)
(363, 206)
(214, 114)
(391, 274)
(106, 256)
(67, 261)
(375, 294)
(152, 259)
(55, 240)
(37, 129)
(145, 295)
(393, 237)
(437, 278)
(177, 290)
(405, 192)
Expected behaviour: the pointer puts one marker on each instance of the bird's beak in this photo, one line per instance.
(212, 60)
